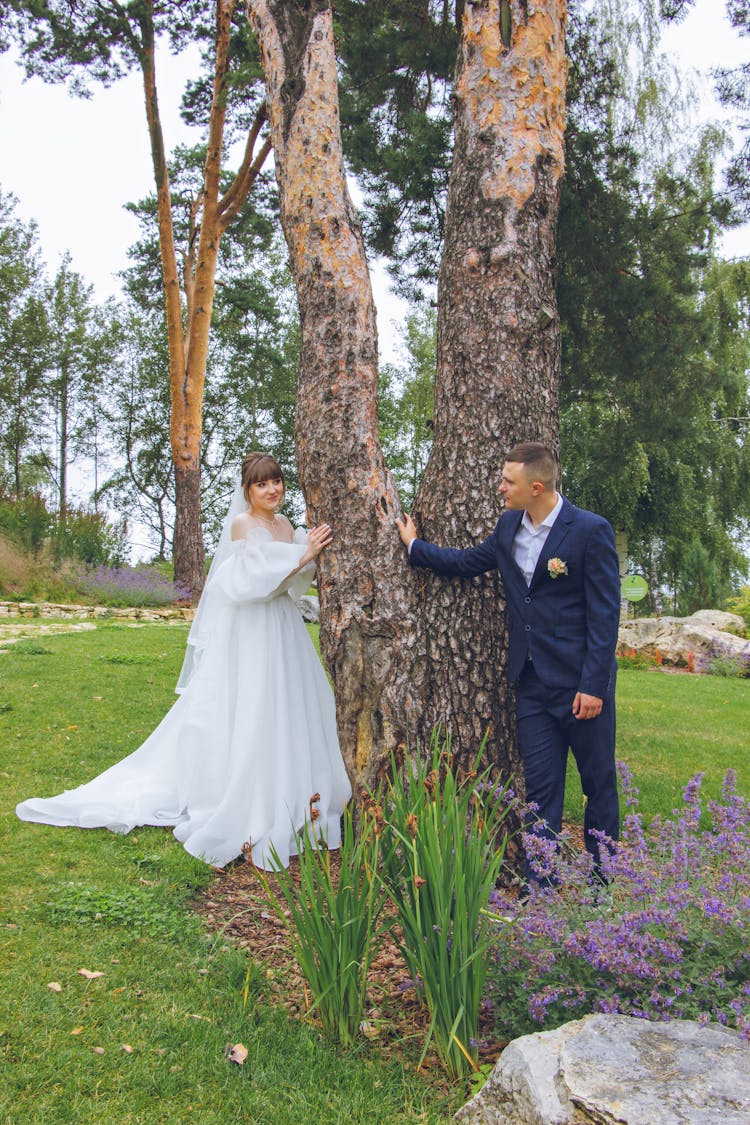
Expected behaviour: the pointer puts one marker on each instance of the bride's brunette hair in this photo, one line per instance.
(258, 467)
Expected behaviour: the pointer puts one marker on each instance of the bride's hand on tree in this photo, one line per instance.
(317, 539)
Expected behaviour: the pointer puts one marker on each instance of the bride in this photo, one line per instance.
(248, 753)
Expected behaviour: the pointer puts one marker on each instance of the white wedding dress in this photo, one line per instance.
(252, 738)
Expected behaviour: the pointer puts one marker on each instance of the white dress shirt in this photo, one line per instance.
(529, 540)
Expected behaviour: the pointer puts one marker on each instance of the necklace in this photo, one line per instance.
(268, 523)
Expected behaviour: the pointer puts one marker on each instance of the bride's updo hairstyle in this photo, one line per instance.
(258, 467)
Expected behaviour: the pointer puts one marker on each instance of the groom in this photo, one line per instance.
(561, 578)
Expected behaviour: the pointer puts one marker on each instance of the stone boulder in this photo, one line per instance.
(309, 607)
(703, 634)
(616, 1070)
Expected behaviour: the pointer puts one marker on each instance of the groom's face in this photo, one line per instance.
(516, 488)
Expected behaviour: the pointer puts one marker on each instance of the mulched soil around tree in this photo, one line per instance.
(235, 905)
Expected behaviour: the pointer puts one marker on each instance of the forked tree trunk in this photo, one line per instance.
(405, 650)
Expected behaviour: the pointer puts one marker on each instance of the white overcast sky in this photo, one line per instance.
(73, 164)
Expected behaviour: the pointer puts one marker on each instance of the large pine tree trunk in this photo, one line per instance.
(405, 650)
(498, 334)
(370, 636)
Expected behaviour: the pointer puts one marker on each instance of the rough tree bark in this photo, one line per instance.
(367, 601)
(395, 641)
(498, 354)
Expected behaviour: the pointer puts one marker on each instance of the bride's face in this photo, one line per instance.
(265, 496)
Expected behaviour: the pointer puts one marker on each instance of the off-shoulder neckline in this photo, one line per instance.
(263, 532)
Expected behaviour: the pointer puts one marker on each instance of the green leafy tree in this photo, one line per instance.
(23, 350)
(71, 363)
(99, 42)
(136, 409)
(406, 403)
(701, 584)
(733, 87)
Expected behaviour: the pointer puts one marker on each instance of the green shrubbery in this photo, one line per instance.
(80, 558)
(335, 924)
(667, 939)
(431, 845)
(86, 536)
(740, 603)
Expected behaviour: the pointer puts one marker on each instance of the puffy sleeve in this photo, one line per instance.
(255, 569)
(300, 582)
(260, 568)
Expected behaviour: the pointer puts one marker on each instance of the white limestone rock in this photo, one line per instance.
(309, 607)
(703, 634)
(616, 1070)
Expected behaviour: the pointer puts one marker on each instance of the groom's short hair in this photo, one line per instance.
(538, 460)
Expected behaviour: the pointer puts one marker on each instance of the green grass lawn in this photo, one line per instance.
(120, 905)
(672, 726)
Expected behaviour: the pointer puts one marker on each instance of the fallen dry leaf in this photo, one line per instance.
(76, 1031)
(127, 1048)
(98, 1050)
(54, 986)
(237, 1053)
(89, 975)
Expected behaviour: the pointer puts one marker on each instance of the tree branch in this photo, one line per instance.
(238, 191)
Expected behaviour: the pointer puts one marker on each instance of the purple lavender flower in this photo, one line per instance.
(675, 942)
(130, 586)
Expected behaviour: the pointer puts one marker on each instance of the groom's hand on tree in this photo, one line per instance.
(406, 530)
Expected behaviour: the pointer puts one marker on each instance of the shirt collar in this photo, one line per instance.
(547, 522)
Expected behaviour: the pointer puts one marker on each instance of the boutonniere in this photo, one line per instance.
(556, 567)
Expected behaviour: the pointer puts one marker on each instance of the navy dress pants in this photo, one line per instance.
(546, 730)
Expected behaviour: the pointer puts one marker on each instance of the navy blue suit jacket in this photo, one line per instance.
(568, 625)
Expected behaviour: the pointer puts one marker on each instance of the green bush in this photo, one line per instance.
(90, 538)
(334, 924)
(27, 521)
(740, 603)
(82, 535)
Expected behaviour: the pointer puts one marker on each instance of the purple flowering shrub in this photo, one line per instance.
(721, 660)
(668, 938)
(129, 586)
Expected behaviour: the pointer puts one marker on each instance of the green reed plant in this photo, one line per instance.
(335, 924)
(442, 852)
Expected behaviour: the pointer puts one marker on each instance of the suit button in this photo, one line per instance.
(528, 628)
(527, 600)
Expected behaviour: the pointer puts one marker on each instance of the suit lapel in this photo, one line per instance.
(509, 525)
(554, 541)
